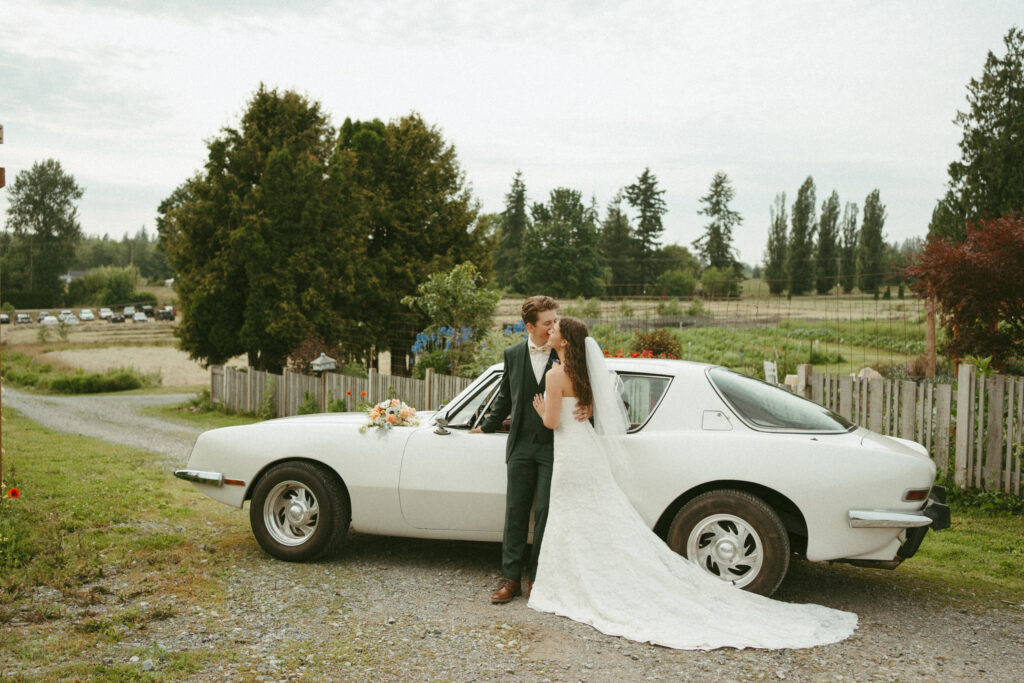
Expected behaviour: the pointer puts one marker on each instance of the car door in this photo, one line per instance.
(454, 480)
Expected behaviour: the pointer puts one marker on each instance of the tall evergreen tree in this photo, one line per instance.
(775, 252)
(850, 238)
(715, 245)
(645, 197)
(563, 259)
(871, 246)
(515, 221)
(800, 255)
(988, 179)
(618, 247)
(828, 244)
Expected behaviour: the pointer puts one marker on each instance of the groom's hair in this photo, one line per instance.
(536, 305)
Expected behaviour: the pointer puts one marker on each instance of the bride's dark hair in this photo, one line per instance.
(574, 331)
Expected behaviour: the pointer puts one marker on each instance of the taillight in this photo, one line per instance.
(915, 494)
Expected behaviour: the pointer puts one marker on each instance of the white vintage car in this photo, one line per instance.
(733, 473)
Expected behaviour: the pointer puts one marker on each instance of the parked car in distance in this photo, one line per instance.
(148, 310)
(116, 318)
(105, 313)
(64, 313)
(731, 472)
(22, 319)
(5, 319)
(41, 316)
(71, 319)
(49, 320)
(86, 315)
(140, 317)
(165, 313)
(129, 311)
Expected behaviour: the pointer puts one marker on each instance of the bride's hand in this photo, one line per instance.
(583, 413)
(538, 404)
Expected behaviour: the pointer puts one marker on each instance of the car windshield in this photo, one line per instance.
(764, 406)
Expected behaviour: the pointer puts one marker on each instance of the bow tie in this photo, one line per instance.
(539, 349)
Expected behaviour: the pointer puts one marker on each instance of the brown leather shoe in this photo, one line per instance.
(506, 590)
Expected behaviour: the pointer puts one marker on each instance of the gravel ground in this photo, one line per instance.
(405, 609)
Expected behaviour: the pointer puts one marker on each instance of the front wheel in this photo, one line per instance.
(298, 511)
(735, 537)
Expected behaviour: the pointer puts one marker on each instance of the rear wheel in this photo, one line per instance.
(298, 511)
(734, 536)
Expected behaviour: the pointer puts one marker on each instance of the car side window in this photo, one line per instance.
(470, 413)
(642, 393)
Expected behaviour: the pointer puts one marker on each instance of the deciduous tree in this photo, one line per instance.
(42, 217)
(800, 254)
(775, 251)
(977, 284)
(851, 237)
(870, 249)
(828, 244)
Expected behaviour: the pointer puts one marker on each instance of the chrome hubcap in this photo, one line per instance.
(726, 546)
(290, 513)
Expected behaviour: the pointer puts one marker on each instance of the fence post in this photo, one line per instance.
(429, 379)
(991, 468)
(908, 413)
(876, 397)
(846, 396)
(943, 413)
(371, 386)
(964, 421)
(804, 372)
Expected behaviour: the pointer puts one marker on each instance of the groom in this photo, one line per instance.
(529, 450)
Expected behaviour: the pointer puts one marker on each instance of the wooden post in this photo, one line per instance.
(846, 396)
(803, 376)
(908, 415)
(929, 338)
(991, 468)
(876, 396)
(429, 379)
(943, 413)
(964, 421)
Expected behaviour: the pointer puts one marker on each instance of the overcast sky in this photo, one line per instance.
(859, 95)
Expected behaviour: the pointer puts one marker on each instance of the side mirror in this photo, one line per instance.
(441, 424)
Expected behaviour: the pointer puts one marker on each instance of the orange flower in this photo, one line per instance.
(14, 493)
(364, 394)
(392, 419)
(395, 401)
(405, 413)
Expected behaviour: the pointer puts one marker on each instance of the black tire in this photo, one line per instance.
(299, 511)
(734, 536)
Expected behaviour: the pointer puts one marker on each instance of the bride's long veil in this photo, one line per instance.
(610, 417)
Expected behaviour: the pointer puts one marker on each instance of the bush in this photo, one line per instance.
(95, 383)
(309, 405)
(658, 342)
(584, 308)
(695, 308)
(336, 405)
(268, 404)
(625, 310)
(678, 282)
(718, 282)
(670, 307)
(435, 359)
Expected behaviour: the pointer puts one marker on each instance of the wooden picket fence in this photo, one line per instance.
(975, 431)
(246, 390)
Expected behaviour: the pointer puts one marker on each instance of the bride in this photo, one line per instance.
(602, 566)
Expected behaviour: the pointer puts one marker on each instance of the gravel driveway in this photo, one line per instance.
(402, 609)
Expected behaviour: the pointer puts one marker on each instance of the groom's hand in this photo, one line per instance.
(476, 430)
(583, 413)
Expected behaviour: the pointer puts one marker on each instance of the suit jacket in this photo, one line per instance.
(515, 398)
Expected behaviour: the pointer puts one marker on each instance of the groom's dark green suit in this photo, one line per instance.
(528, 459)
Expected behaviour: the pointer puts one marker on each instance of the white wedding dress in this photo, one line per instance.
(600, 565)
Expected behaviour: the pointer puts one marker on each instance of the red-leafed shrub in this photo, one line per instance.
(979, 287)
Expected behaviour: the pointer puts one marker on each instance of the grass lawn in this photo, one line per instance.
(211, 419)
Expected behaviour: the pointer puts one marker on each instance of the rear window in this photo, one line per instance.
(764, 406)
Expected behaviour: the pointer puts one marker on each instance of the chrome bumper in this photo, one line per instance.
(200, 477)
(886, 519)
